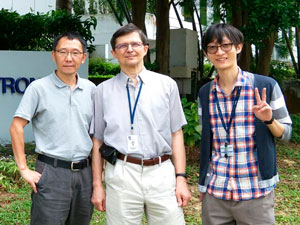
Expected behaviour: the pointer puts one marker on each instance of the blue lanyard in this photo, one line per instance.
(232, 115)
(132, 113)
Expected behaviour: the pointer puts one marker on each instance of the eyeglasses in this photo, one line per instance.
(134, 45)
(212, 49)
(64, 53)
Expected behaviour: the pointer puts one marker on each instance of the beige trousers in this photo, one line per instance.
(132, 190)
(227, 212)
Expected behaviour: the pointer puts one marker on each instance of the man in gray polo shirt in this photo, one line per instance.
(60, 109)
(139, 114)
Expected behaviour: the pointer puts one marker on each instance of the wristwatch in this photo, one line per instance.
(181, 175)
(269, 121)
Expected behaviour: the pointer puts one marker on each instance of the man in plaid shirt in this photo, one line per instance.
(240, 114)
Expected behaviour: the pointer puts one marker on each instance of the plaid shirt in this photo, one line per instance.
(235, 177)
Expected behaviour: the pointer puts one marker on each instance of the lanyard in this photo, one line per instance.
(132, 113)
(232, 115)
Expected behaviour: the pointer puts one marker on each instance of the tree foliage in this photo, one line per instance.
(79, 7)
(268, 16)
(93, 7)
(260, 21)
(36, 31)
(64, 5)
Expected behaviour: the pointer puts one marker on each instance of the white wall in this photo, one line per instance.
(26, 6)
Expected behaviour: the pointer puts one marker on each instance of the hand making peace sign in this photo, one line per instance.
(262, 109)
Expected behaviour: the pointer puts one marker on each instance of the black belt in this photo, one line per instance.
(74, 166)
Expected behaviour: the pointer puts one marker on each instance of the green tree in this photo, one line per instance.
(297, 37)
(64, 5)
(40, 29)
(260, 21)
(93, 7)
(138, 13)
(79, 7)
(162, 36)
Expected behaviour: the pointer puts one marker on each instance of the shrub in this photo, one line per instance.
(206, 69)
(8, 173)
(296, 128)
(192, 130)
(99, 66)
(151, 66)
(282, 71)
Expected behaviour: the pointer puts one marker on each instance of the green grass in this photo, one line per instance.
(98, 218)
(15, 202)
(288, 190)
(15, 206)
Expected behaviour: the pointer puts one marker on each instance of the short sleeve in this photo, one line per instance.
(98, 123)
(176, 111)
(29, 103)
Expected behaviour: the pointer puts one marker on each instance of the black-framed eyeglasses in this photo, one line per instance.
(64, 53)
(134, 45)
(226, 47)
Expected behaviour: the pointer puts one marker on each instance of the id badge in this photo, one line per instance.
(226, 150)
(132, 143)
(230, 150)
(222, 150)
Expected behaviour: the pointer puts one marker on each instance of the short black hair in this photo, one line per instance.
(127, 29)
(218, 31)
(70, 35)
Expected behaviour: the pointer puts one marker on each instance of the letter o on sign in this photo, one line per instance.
(21, 84)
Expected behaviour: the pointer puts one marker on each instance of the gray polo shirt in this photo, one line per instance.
(60, 117)
(158, 113)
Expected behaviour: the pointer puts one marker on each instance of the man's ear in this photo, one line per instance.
(83, 58)
(53, 56)
(146, 48)
(239, 48)
(113, 54)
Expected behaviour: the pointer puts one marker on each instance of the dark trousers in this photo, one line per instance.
(63, 197)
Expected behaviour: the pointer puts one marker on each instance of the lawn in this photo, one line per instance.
(15, 201)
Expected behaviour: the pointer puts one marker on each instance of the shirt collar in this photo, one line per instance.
(123, 77)
(241, 81)
(58, 82)
(79, 82)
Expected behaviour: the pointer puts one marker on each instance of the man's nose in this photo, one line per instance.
(220, 50)
(69, 56)
(129, 48)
